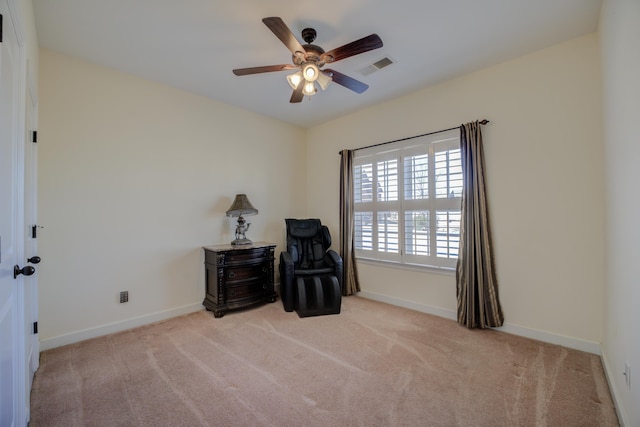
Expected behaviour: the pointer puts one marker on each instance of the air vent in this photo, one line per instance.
(378, 65)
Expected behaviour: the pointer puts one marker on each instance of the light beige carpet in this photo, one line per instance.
(372, 365)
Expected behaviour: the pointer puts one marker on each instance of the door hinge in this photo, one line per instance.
(35, 328)
(34, 136)
(34, 231)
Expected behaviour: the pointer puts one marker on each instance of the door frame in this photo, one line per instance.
(30, 284)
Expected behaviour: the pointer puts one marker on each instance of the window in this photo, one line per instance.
(407, 200)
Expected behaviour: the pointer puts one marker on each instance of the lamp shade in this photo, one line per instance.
(241, 206)
(310, 72)
(294, 79)
(309, 88)
(323, 80)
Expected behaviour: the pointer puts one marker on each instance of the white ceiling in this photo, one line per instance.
(194, 44)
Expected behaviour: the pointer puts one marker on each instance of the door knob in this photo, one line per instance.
(34, 259)
(27, 270)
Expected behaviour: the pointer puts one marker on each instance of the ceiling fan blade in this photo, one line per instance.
(365, 44)
(346, 81)
(280, 29)
(297, 94)
(265, 69)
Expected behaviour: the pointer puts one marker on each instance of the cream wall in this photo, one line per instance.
(134, 178)
(545, 175)
(619, 35)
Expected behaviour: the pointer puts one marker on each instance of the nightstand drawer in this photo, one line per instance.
(248, 290)
(247, 256)
(239, 274)
(236, 257)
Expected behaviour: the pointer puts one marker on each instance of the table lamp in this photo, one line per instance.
(241, 206)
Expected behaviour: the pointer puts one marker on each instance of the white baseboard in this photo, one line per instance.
(545, 336)
(119, 326)
(552, 338)
(109, 328)
(429, 309)
(609, 373)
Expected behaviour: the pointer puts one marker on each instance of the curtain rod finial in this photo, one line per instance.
(484, 122)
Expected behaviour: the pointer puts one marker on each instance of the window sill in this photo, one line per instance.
(445, 271)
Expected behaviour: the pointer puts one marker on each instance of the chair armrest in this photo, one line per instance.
(286, 281)
(285, 259)
(332, 258)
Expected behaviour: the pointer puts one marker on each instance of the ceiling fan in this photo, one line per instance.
(309, 59)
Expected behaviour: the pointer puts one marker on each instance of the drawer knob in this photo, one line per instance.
(231, 275)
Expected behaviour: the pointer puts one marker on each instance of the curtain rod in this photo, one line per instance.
(482, 122)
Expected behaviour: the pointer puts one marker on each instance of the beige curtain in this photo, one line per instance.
(477, 286)
(350, 283)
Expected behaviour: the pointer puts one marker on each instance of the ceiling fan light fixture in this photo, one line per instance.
(310, 72)
(323, 80)
(294, 79)
(309, 89)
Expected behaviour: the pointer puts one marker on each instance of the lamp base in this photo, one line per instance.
(242, 242)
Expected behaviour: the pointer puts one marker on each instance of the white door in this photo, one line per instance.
(12, 385)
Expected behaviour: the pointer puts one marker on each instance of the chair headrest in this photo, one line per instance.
(303, 228)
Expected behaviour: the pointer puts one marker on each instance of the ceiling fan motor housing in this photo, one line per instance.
(309, 35)
(312, 52)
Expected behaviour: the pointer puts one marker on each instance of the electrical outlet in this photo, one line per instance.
(124, 296)
(627, 374)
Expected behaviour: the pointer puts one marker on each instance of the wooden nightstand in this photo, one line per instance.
(238, 276)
